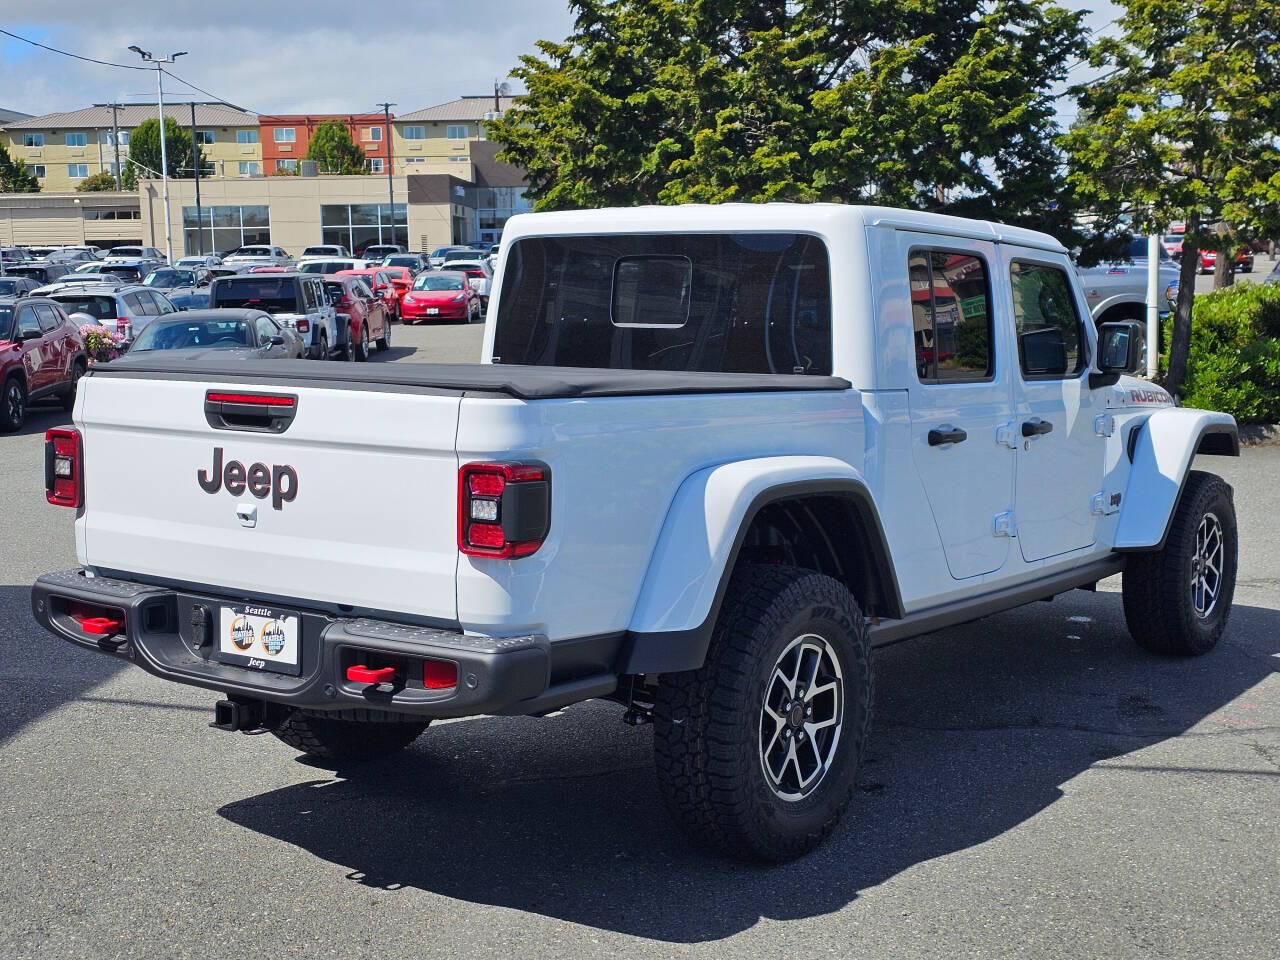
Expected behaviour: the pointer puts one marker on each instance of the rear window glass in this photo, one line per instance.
(100, 308)
(732, 302)
(261, 292)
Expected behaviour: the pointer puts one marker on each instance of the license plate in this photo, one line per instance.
(259, 638)
(432, 311)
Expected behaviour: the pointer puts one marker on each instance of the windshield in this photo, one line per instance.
(6, 322)
(437, 281)
(8, 287)
(166, 279)
(178, 334)
(325, 266)
(126, 251)
(252, 252)
(441, 251)
(320, 251)
(459, 255)
(118, 270)
(99, 307)
(262, 292)
(732, 302)
(401, 260)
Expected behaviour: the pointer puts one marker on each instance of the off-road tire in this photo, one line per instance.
(69, 398)
(1158, 600)
(13, 404)
(354, 736)
(707, 733)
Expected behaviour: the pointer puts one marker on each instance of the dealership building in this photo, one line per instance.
(446, 185)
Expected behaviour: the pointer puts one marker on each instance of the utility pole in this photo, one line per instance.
(115, 140)
(195, 162)
(164, 152)
(391, 189)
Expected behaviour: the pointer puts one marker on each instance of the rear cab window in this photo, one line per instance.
(705, 302)
(259, 292)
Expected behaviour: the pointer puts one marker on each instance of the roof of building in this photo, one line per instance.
(464, 108)
(7, 116)
(130, 115)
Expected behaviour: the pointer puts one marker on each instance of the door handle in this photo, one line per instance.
(946, 434)
(1035, 427)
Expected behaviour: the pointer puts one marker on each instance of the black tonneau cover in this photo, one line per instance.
(524, 383)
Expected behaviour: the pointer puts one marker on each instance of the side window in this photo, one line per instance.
(1051, 337)
(28, 323)
(309, 300)
(952, 315)
(162, 303)
(266, 329)
(149, 305)
(49, 319)
(133, 303)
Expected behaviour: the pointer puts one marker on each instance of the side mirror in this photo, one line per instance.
(30, 334)
(1119, 346)
(275, 341)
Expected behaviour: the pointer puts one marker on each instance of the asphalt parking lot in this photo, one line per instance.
(1036, 786)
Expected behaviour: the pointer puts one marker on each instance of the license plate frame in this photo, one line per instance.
(433, 311)
(248, 634)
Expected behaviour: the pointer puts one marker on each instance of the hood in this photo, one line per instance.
(441, 296)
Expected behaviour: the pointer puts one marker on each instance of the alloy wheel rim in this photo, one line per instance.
(14, 398)
(1206, 566)
(801, 717)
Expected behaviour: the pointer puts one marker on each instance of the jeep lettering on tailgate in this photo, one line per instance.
(258, 480)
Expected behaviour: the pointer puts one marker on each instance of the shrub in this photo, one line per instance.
(101, 343)
(1234, 364)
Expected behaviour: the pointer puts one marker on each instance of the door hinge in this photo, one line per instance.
(1007, 436)
(1104, 424)
(1002, 525)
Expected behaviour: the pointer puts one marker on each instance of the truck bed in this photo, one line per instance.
(475, 379)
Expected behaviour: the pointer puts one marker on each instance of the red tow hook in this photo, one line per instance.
(100, 626)
(359, 673)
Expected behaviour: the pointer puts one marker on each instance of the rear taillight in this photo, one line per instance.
(303, 325)
(504, 509)
(63, 467)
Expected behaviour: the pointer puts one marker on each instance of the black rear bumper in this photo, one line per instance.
(168, 633)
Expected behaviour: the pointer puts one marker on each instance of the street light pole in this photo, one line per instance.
(391, 188)
(164, 152)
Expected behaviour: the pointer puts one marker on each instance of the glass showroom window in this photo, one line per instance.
(415, 133)
(246, 136)
(77, 139)
(285, 135)
(225, 228)
(33, 139)
(357, 225)
(77, 171)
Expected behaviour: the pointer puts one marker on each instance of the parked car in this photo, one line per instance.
(401, 280)
(128, 308)
(436, 260)
(71, 257)
(380, 283)
(9, 255)
(329, 265)
(416, 262)
(326, 250)
(361, 312)
(258, 255)
(41, 357)
(132, 272)
(294, 299)
(441, 295)
(41, 271)
(1118, 290)
(270, 268)
(145, 259)
(16, 286)
(225, 271)
(227, 334)
(478, 273)
(1172, 243)
(90, 268)
(184, 287)
(462, 253)
(208, 262)
(377, 251)
(701, 480)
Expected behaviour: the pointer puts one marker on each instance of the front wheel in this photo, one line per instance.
(367, 736)
(13, 405)
(757, 751)
(1177, 599)
(362, 345)
(384, 341)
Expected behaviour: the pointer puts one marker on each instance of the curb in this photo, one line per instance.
(1260, 435)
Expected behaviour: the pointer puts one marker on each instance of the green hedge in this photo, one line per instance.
(1234, 364)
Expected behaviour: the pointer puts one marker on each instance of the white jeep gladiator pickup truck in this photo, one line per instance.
(714, 455)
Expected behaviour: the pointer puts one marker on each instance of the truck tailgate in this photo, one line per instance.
(371, 523)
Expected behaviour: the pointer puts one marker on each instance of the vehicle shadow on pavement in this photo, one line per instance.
(38, 671)
(42, 416)
(978, 729)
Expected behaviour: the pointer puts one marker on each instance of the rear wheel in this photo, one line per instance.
(13, 404)
(757, 751)
(1177, 600)
(384, 341)
(357, 735)
(362, 344)
(322, 345)
(69, 398)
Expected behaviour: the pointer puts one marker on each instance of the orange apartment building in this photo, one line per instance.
(285, 138)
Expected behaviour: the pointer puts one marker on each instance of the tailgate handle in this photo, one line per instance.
(256, 412)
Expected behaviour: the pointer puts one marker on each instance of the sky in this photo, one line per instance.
(285, 56)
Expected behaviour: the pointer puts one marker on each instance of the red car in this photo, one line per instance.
(1209, 259)
(401, 279)
(367, 314)
(441, 295)
(41, 356)
(380, 282)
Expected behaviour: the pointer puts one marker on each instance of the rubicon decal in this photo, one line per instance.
(280, 481)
